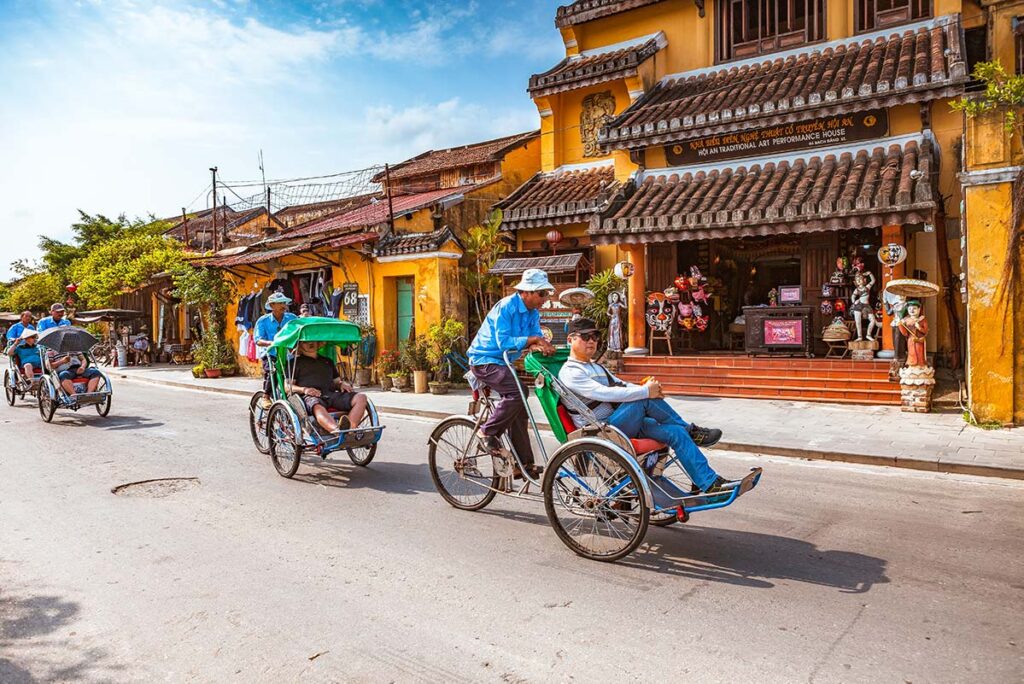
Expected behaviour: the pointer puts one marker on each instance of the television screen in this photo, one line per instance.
(790, 294)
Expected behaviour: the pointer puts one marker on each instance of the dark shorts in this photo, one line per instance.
(341, 401)
(88, 374)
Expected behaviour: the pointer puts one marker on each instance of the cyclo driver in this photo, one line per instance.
(512, 326)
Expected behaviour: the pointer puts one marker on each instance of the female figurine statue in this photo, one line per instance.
(914, 327)
(861, 301)
(614, 322)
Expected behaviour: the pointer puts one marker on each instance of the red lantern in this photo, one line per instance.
(553, 237)
(72, 288)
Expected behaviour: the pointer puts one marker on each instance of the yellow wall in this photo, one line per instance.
(567, 109)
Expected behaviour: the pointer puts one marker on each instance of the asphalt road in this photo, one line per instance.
(825, 573)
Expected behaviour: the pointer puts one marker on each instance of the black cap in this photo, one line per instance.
(582, 325)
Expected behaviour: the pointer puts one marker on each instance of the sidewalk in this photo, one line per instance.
(877, 435)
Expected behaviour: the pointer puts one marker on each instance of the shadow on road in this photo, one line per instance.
(111, 422)
(384, 476)
(749, 559)
(27, 626)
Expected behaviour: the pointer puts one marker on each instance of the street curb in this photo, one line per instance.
(758, 449)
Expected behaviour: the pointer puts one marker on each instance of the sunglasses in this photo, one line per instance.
(589, 337)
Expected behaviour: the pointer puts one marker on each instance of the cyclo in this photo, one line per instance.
(15, 383)
(51, 392)
(600, 489)
(286, 429)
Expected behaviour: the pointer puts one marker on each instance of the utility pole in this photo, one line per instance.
(391, 207)
(184, 223)
(213, 170)
(266, 189)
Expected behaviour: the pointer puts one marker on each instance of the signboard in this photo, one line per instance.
(802, 135)
(350, 300)
(783, 331)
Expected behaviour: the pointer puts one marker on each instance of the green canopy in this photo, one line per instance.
(548, 366)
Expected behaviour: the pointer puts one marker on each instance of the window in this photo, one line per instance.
(747, 28)
(880, 14)
(1018, 44)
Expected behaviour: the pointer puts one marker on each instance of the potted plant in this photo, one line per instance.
(442, 337)
(212, 354)
(415, 353)
(388, 362)
(399, 380)
(363, 355)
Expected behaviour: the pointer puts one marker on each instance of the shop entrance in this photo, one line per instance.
(405, 311)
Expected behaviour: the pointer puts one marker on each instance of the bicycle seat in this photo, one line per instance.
(640, 446)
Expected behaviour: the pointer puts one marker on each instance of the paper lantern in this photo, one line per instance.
(624, 269)
(892, 254)
(553, 237)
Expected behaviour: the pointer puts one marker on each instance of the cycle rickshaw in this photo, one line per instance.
(77, 342)
(600, 489)
(15, 383)
(286, 430)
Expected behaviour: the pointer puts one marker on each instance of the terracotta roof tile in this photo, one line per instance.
(298, 214)
(253, 256)
(866, 187)
(414, 243)
(895, 66)
(558, 198)
(588, 10)
(580, 71)
(455, 157)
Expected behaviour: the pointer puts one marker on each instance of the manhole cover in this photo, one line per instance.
(158, 488)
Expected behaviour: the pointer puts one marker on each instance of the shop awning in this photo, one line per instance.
(105, 315)
(559, 198)
(914, 63)
(886, 183)
(556, 263)
(593, 67)
(254, 256)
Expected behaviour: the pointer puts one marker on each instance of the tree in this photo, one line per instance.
(208, 290)
(121, 263)
(484, 245)
(34, 292)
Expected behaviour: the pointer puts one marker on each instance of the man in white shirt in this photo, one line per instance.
(637, 410)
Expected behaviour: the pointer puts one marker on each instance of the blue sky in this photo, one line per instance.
(122, 105)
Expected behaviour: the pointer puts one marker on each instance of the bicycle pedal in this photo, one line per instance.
(502, 465)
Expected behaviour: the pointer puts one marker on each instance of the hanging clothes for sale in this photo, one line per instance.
(243, 344)
(250, 353)
(336, 298)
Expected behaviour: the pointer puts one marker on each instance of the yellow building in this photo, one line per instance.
(993, 260)
(396, 252)
(760, 141)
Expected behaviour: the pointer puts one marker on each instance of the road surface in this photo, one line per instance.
(825, 573)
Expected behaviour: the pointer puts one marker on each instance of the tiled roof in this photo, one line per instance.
(555, 263)
(415, 243)
(374, 213)
(298, 214)
(588, 10)
(200, 226)
(348, 240)
(455, 157)
(886, 184)
(580, 71)
(254, 256)
(558, 198)
(895, 66)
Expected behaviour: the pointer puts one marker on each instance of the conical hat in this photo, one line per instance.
(912, 288)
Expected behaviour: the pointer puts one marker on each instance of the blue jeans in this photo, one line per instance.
(655, 419)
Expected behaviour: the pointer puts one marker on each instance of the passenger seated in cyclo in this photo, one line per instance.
(72, 367)
(639, 411)
(25, 352)
(316, 380)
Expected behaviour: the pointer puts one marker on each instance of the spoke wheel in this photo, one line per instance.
(594, 502)
(258, 423)
(462, 473)
(103, 408)
(10, 391)
(47, 405)
(284, 448)
(362, 456)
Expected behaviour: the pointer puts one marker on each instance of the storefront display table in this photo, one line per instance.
(778, 330)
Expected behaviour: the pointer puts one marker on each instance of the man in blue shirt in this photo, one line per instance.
(265, 329)
(24, 324)
(512, 326)
(54, 320)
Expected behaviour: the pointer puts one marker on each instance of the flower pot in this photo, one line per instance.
(419, 381)
(401, 383)
(438, 387)
(362, 377)
(212, 372)
(385, 383)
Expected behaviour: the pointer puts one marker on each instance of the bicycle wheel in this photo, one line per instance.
(362, 456)
(10, 388)
(462, 472)
(285, 444)
(47, 402)
(673, 481)
(258, 423)
(103, 408)
(594, 501)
